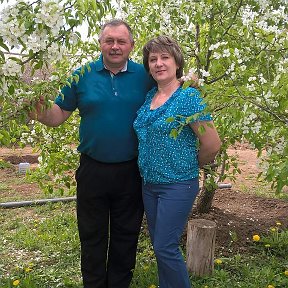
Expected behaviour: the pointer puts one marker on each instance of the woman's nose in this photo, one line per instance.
(158, 62)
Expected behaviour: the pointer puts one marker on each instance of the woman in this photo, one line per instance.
(170, 166)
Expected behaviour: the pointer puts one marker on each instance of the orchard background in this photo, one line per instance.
(237, 48)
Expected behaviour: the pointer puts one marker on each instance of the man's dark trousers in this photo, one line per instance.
(109, 213)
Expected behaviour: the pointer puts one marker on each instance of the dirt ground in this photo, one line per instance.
(238, 213)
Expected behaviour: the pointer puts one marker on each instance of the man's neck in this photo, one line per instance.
(115, 68)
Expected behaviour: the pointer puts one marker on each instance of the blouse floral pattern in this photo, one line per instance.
(162, 158)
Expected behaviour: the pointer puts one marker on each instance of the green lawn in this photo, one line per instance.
(39, 247)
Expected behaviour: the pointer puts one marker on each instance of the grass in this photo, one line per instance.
(39, 247)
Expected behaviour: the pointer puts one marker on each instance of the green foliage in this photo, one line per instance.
(237, 48)
(275, 242)
(39, 247)
(4, 164)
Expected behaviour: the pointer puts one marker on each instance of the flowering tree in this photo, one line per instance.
(238, 48)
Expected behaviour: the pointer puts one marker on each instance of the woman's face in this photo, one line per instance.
(162, 66)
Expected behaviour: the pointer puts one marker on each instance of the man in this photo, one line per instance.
(109, 201)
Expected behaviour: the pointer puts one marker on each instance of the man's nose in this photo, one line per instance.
(115, 45)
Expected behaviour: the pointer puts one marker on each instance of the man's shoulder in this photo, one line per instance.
(132, 65)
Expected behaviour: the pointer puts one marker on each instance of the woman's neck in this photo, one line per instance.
(168, 88)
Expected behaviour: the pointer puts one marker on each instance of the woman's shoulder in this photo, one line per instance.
(190, 91)
(189, 101)
(189, 95)
(151, 92)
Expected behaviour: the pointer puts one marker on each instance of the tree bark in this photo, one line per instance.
(200, 246)
(205, 197)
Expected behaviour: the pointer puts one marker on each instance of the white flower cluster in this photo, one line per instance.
(250, 85)
(10, 29)
(11, 68)
(55, 52)
(248, 16)
(269, 99)
(280, 145)
(191, 75)
(268, 20)
(50, 16)
(48, 20)
(204, 73)
(231, 68)
(28, 138)
(217, 45)
(247, 122)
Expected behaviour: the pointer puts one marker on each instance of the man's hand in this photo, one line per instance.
(190, 80)
(37, 109)
(194, 81)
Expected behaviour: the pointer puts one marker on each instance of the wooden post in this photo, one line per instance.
(200, 246)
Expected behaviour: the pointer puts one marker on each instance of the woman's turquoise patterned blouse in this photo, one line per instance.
(163, 158)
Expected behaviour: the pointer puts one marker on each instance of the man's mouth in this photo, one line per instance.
(114, 53)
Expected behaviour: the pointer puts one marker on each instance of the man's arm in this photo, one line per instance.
(52, 117)
(210, 142)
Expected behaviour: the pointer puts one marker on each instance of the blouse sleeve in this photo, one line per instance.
(191, 103)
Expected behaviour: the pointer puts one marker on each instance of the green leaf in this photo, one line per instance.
(174, 133)
(170, 119)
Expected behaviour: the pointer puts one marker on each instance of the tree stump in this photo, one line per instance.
(200, 246)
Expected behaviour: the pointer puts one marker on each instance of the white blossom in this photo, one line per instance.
(248, 16)
(204, 73)
(226, 53)
(256, 127)
(11, 68)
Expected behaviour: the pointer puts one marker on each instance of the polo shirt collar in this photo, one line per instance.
(128, 66)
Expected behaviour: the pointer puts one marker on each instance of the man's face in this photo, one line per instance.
(116, 46)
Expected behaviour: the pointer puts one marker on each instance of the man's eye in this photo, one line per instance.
(109, 41)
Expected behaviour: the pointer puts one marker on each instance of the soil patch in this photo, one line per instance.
(238, 215)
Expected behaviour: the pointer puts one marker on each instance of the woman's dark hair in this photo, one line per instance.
(164, 44)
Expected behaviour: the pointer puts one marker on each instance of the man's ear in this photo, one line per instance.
(132, 45)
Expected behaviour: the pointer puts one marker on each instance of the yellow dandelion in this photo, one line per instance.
(28, 269)
(146, 267)
(218, 261)
(270, 286)
(273, 229)
(256, 238)
(278, 223)
(152, 286)
(16, 282)
(286, 273)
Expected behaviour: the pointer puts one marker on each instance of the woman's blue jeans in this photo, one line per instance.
(167, 207)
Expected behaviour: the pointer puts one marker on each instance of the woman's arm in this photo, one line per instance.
(210, 142)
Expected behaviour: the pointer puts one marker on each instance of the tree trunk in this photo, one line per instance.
(204, 200)
(205, 197)
(200, 246)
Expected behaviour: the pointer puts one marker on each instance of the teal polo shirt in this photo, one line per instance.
(107, 106)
